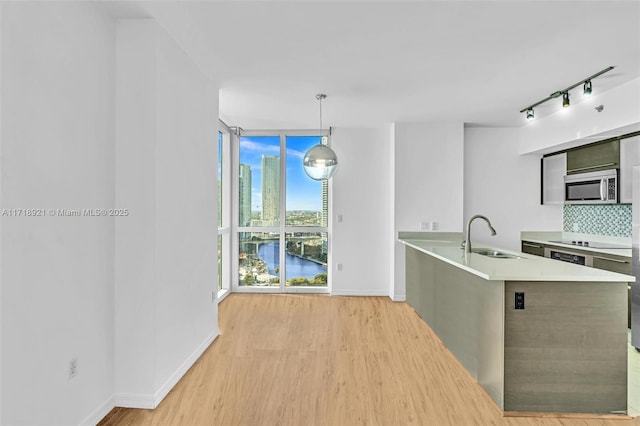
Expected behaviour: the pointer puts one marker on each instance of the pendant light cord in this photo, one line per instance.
(320, 97)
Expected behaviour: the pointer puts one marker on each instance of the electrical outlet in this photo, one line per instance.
(73, 368)
(434, 226)
(519, 300)
(339, 267)
(424, 226)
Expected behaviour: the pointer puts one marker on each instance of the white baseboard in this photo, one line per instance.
(399, 297)
(99, 413)
(347, 292)
(181, 371)
(151, 401)
(133, 400)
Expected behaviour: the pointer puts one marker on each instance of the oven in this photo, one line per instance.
(568, 256)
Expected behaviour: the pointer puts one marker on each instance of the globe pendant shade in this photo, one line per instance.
(320, 162)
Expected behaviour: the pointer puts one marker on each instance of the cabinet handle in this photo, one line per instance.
(611, 260)
(591, 167)
(531, 245)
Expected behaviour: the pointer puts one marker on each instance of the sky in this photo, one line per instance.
(303, 193)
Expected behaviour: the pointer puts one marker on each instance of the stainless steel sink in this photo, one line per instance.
(496, 254)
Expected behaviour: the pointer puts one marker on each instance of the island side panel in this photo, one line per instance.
(566, 351)
(420, 284)
(465, 311)
(491, 341)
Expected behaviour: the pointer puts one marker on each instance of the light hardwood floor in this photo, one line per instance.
(327, 360)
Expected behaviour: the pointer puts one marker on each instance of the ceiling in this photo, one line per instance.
(477, 62)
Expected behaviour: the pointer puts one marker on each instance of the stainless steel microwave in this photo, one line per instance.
(592, 188)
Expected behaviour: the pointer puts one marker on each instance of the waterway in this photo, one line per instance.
(296, 267)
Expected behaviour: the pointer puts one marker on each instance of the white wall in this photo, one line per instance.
(135, 183)
(428, 175)
(361, 194)
(64, 105)
(57, 153)
(1, 233)
(504, 186)
(186, 213)
(427, 183)
(166, 252)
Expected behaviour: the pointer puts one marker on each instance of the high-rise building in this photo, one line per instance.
(324, 217)
(245, 195)
(270, 190)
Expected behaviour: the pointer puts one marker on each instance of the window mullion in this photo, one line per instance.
(283, 211)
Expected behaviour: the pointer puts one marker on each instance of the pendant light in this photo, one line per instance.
(320, 162)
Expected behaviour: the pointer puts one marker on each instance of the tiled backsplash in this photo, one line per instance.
(598, 219)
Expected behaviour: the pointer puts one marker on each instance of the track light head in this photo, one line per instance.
(530, 114)
(586, 89)
(565, 100)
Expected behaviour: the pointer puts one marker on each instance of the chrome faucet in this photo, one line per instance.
(467, 244)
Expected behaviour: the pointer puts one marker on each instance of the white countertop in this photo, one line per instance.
(526, 268)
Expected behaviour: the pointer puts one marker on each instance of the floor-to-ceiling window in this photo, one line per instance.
(282, 236)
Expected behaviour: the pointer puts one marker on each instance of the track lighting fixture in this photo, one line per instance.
(530, 114)
(586, 91)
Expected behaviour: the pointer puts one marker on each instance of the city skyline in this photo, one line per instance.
(302, 193)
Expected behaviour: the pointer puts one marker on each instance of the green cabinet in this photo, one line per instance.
(594, 157)
(619, 264)
(533, 248)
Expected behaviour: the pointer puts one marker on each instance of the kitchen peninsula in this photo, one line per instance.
(538, 335)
